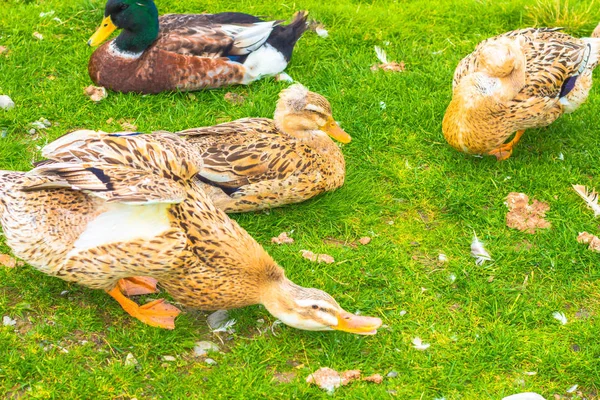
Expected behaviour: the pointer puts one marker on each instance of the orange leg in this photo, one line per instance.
(137, 285)
(156, 313)
(504, 152)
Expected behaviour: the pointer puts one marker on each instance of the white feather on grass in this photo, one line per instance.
(219, 321)
(590, 198)
(561, 317)
(381, 54)
(419, 345)
(478, 251)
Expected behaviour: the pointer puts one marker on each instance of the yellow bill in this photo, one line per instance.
(357, 323)
(333, 129)
(106, 28)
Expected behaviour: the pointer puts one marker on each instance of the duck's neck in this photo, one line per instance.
(278, 297)
(294, 127)
(139, 33)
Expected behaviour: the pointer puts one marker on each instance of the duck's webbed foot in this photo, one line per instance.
(137, 285)
(505, 151)
(157, 313)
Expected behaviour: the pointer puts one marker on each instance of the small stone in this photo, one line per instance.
(64, 292)
(284, 377)
(38, 125)
(38, 36)
(392, 374)
(210, 361)
(8, 321)
(169, 358)
(130, 360)
(6, 102)
(32, 131)
(201, 349)
(364, 240)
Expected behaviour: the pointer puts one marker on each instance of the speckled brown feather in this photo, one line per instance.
(203, 258)
(252, 165)
(478, 121)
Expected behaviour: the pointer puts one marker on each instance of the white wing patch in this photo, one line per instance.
(265, 61)
(124, 223)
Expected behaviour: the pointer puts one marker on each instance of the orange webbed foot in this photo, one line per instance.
(137, 285)
(156, 313)
(502, 153)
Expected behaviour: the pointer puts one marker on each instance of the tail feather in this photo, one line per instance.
(284, 37)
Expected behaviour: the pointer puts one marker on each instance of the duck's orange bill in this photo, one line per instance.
(333, 129)
(357, 324)
(106, 28)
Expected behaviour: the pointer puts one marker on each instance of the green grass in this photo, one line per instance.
(405, 187)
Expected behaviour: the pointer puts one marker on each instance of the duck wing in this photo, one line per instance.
(554, 60)
(160, 153)
(213, 35)
(242, 152)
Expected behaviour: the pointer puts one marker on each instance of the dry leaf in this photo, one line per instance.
(590, 197)
(127, 125)
(284, 377)
(591, 240)
(326, 258)
(309, 255)
(7, 261)
(375, 378)
(364, 240)
(325, 378)
(524, 217)
(110, 120)
(385, 64)
(95, 93)
(283, 238)
(2, 49)
(38, 35)
(234, 98)
(349, 376)
(329, 379)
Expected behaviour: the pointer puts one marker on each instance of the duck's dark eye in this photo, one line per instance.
(315, 307)
(124, 6)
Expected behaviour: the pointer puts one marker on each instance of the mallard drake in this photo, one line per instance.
(111, 207)
(516, 81)
(187, 51)
(256, 163)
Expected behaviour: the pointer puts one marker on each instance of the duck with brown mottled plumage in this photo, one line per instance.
(256, 163)
(516, 81)
(185, 52)
(120, 211)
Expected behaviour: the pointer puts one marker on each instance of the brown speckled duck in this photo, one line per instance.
(516, 81)
(256, 163)
(109, 209)
(187, 51)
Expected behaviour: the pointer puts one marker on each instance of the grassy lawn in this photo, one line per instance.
(406, 188)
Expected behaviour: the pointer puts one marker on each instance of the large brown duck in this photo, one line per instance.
(185, 52)
(256, 163)
(108, 209)
(516, 81)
